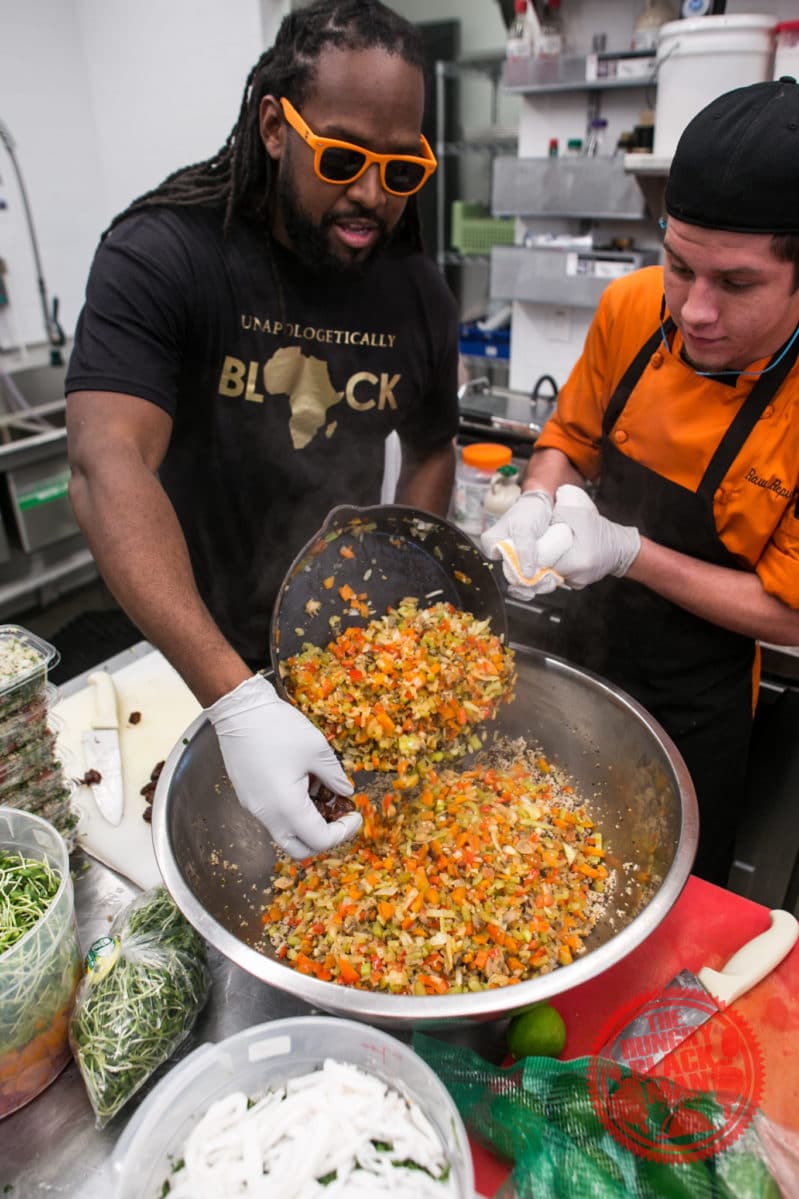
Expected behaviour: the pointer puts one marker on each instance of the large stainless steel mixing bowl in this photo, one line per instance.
(217, 860)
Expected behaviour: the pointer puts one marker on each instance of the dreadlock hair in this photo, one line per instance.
(239, 177)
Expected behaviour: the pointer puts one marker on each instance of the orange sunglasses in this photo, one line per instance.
(342, 162)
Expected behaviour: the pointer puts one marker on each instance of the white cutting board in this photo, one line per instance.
(149, 685)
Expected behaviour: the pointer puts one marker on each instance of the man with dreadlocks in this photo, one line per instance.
(253, 329)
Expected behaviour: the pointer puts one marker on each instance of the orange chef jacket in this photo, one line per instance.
(674, 420)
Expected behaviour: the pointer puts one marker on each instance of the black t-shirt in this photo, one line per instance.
(282, 385)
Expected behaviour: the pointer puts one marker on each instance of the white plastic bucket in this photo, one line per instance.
(700, 59)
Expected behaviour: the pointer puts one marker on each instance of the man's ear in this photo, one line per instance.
(272, 126)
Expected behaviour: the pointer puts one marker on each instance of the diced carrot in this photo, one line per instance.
(347, 973)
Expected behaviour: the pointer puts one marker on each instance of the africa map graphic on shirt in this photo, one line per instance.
(307, 383)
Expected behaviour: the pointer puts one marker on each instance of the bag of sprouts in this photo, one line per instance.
(144, 986)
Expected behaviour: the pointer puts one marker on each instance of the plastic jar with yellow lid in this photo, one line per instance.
(476, 467)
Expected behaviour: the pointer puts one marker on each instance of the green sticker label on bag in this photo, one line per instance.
(101, 957)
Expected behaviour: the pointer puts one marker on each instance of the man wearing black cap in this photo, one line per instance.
(683, 411)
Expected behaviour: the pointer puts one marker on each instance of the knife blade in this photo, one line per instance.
(101, 749)
(689, 1000)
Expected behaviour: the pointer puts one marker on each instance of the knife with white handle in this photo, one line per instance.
(753, 961)
(101, 748)
(689, 1000)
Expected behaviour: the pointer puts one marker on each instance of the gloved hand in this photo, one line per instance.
(269, 749)
(551, 546)
(522, 525)
(599, 546)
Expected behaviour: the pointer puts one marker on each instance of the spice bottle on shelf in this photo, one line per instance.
(522, 40)
(551, 42)
(596, 137)
(478, 463)
(654, 14)
(503, 490)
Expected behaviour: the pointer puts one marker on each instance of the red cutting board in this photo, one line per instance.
(704, 928)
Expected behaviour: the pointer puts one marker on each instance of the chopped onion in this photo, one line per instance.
(334, 1132)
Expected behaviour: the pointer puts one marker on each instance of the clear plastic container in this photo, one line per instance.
(476, 467)
(26, 760)
(38, 974)
(32, 777)
(262, 1058)
(24, 662)
(24, 725)
(503, 491)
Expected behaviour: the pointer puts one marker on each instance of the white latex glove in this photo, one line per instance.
(552, 544)
(599, 546)
(523, 524)
(269, 749)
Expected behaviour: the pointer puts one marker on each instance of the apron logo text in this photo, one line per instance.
(772, 484)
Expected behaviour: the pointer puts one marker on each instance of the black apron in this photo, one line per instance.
(693, 676)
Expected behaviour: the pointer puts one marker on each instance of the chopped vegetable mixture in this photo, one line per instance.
(479, 879)
(407, 691)
(17, 659)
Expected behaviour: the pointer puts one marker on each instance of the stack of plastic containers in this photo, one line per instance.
(32, 776)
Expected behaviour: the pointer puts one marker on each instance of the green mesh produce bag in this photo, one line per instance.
(539, 1116)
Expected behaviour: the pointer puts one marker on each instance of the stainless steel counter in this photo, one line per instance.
(52, 1147)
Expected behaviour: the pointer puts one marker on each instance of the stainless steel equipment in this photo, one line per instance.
(217, 860)
(33, 454)
(493, 413)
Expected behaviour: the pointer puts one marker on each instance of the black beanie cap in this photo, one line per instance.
(736, 165)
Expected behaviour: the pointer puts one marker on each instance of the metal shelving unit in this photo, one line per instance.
(571, 73)
(490, 67)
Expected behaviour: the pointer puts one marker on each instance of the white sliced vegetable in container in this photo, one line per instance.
(328, 1091)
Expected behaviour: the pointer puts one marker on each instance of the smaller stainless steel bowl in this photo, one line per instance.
(217, 860)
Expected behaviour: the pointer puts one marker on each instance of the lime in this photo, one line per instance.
(537, 1032)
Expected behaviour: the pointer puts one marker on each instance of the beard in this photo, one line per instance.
(311, 240)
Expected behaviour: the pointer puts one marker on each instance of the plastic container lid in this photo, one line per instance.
(484, 455)
(786, 27)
